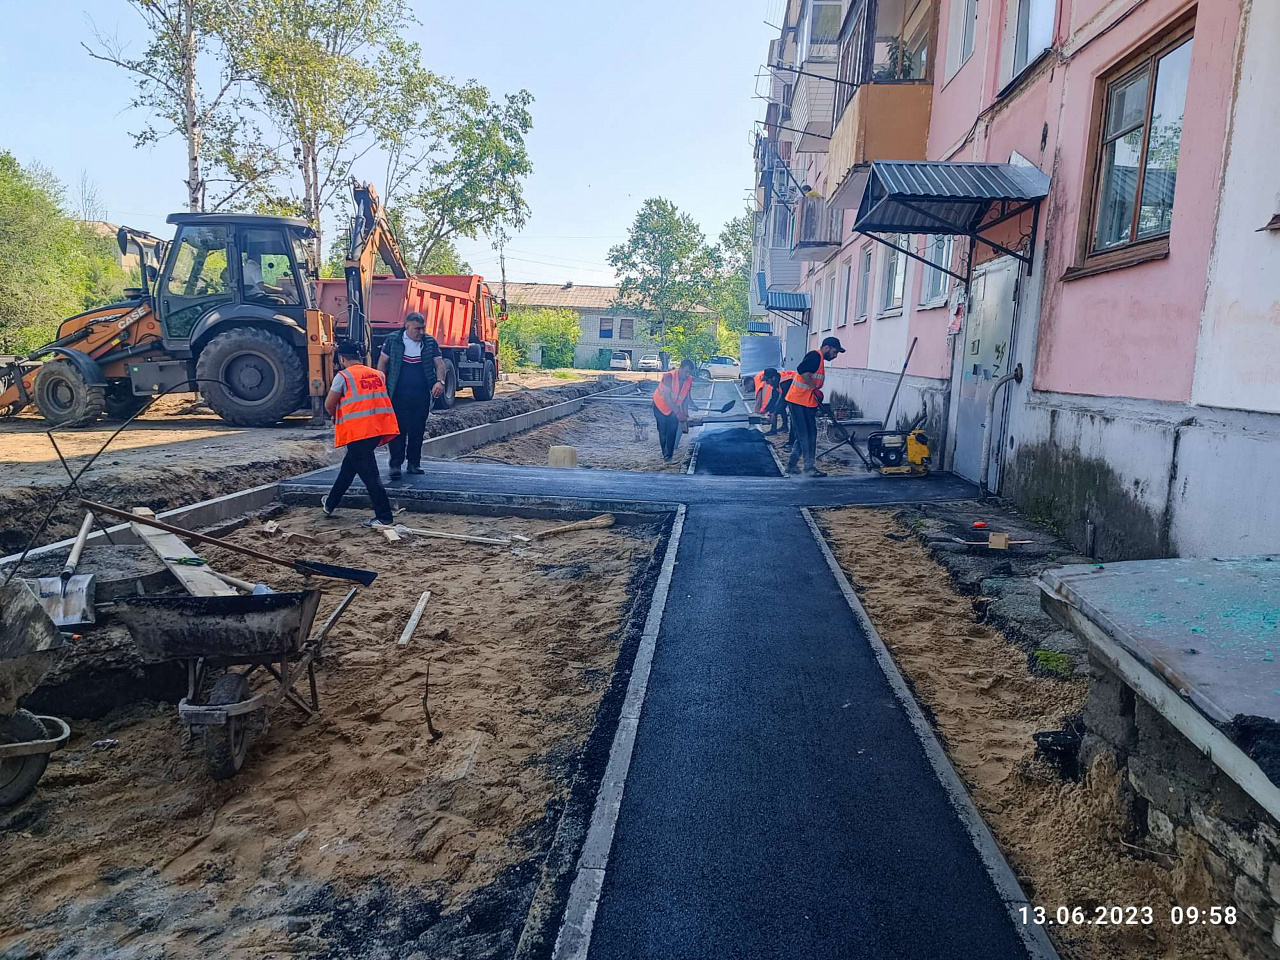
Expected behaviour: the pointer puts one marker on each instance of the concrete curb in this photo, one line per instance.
(574, 939)
(1033, 936)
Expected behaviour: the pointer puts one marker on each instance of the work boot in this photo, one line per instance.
(395, 472)
(414, 468)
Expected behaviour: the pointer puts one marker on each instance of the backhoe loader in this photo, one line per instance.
(229, 308)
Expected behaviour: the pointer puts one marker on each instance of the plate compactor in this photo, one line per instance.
(899, 453)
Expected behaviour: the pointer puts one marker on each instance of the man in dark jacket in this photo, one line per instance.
(415, 373)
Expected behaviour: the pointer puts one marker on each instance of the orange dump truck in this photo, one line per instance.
(461, 312)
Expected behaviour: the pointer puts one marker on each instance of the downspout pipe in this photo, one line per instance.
(990, 426)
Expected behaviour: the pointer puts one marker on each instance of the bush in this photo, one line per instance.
(556, 330)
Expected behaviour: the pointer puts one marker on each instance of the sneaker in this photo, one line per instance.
(328, 510)
(373, 523)
(394, 474)
(814, 472)
(414, 468)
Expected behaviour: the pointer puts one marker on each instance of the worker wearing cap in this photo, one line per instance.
(803, 399)
(766, 381)
(415, 372)
(363, 420)
(671, 403)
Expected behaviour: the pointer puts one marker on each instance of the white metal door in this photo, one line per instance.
(985, 355)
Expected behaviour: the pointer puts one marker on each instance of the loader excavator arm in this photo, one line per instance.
(371, 237)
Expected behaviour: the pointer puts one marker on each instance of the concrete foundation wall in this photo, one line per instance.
(872, 389)
(1129, 479)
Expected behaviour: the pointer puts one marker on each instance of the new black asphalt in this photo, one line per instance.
(779, 804)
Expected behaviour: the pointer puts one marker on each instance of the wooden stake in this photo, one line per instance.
(442, 535)
(414, 619)
(601, 522)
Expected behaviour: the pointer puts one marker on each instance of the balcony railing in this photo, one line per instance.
(819, 229)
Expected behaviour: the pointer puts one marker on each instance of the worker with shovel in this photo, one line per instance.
(671, 406)
(802, 402)
(363, 421)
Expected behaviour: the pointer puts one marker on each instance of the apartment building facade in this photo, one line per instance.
(1075, 188)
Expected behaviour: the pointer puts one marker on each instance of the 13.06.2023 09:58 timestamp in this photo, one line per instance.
(1126, 916)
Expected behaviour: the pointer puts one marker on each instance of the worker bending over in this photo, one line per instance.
(671, 403)
(803, 399)
(766, 382)
(415, 373)
(363, 420)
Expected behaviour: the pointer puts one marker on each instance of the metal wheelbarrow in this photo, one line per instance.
(30, 646)
(262, 631)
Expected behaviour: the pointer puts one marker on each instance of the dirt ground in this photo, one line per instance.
(179, 453)
(608, 436)
(1062, 837)
(353, 834)
(842, 461)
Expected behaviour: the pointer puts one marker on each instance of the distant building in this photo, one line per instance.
(603, 332)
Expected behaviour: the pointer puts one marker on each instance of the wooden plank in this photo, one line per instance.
(601, 522)
(199, 581)
(414, 618)
(391, 535)
(442, 535)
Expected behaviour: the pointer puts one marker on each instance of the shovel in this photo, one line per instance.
(304, 567)
(68, 598)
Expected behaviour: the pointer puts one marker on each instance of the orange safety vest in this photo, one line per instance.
(680, 388)
(803, 395)
(364, 410)
(763, 392)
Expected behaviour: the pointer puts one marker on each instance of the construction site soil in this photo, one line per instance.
(1062, 837)
(179, 453)
(353, 834)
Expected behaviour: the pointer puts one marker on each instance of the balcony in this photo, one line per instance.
(819, 230)
(883, 121)
(813, 108)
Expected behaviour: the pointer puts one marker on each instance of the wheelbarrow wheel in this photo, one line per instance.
(19, 775)
(225, 745)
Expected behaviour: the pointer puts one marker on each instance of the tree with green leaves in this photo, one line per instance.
(731, 294)
(185, 43)
(323, 70)
(556, 330)
(456, 161)
(667, 273)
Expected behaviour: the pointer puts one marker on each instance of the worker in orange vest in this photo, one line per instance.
(363, 421)
(803, 399)
(778, 407)
(671, 406)
(764, 380)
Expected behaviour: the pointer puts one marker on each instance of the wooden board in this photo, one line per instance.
(414, 618)
(199, 581)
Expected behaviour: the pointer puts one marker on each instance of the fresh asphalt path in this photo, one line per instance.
(779, 805)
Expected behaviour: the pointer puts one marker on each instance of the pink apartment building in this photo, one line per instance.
(1085, 189)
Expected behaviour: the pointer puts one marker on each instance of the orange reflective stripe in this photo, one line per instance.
(800, 393)
(364, 410)
(679, 389)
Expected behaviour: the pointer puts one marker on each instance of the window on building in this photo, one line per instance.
(831, 303)
(781, 236)
(895, 276)
(964, 25)
(864, 283)
(817, 306)
(1028, 33)
(846, 292)
(626, 328)
(1138, 143)
(606, 328)
(938, 250)
(820, 29)
(903, 40)
(853, 55)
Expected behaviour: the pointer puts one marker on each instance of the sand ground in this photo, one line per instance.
(355, 829)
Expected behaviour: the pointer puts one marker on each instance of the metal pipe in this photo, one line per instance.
(990, 423)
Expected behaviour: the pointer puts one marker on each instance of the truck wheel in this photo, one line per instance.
(261, 377)
(225, 746)
(450, 386)
(64, 398)
(120, 401)
(18, 775)
(484, 389)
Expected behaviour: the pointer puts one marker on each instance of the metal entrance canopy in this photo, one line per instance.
(792, 307)
(955, 199)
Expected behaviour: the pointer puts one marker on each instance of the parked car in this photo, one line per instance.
(649, 362)
(620, 361)
(722, 368)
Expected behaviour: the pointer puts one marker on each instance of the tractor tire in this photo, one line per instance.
(485, 389)
(18, 775)
(261, 378)
(445, 401)
(64, 398)
(120, 401)
(225, 746)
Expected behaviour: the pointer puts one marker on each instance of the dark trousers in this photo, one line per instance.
(412, 409)
(668, 432)
(778, 411)
(359, 462)
(804, 430)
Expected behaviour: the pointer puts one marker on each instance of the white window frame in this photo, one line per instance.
(939, 249)
(893, 278)
(863, 301)
(846, 285)
(807, 17)
(831, 303)
(1028, 32)
(962, 35)
(817, 305)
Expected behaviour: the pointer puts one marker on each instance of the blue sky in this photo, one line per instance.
(632, 100)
